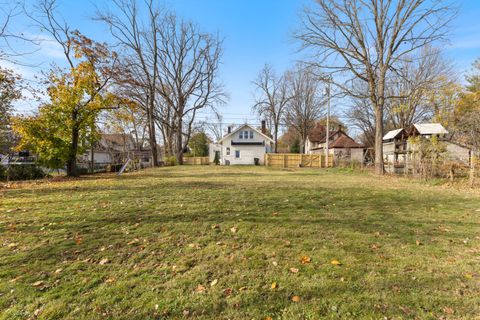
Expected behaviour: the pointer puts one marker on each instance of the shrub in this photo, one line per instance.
(3, 173)
(24, 172)
(171, 161)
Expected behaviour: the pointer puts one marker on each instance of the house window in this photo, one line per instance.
(237, 154)
(241, 135)
(228, 151)
(251, 134)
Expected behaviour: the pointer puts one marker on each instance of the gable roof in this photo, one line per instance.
(319, 134)
(243, 126)
(344, 141)
(392, 134)
(430, 128)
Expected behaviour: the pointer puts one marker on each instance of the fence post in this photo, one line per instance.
(284, 160)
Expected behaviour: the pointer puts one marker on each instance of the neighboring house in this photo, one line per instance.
(117, 148)
(399, 152)
(111, 149)
(341, 145)
(242, 146)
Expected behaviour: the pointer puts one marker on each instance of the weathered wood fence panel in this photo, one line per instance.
(197, 161)
(295, 160)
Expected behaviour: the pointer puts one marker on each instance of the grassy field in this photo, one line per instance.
(239, 243)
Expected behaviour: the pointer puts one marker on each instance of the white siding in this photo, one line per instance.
(247, 152)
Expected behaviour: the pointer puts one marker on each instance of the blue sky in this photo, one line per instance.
(255, 32)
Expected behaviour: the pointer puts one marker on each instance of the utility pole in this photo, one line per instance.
(327, 136)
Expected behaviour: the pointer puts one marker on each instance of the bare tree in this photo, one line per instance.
(410, 91)
(188, 75)
(215, 128)
(138, 35)
(361, 115)
(306, 105)
(10, 41)
(413, 96)
(367, 40)
(272, 98)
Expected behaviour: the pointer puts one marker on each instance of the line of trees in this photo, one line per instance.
(294, 99)
(168, 66)
(163, 72)
(360, 45)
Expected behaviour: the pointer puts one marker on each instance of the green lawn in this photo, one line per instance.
(221, 242)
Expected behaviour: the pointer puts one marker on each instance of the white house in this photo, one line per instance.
(242, 146)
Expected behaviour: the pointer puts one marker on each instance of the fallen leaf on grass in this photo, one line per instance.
(274, 285)
(294, 270)
(305, 259)
(58, 270)
(104, 261)
(200, 288)
(405, 310)
(468, 275)
(448, 310)
(133, 241)
(418, 242)
(335, 262)
(233, 230)
(227, 292)
(296, 299)
(268, 318)
(38, 283)
(78, 239)
(15, 279)
(275, 263)
(37, 312)
(13, 245)
(214, 282)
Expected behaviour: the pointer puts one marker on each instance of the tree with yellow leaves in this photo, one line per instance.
(467, 117)
(65, 125)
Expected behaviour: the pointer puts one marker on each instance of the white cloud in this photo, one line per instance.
(466, 43)
(47, 46)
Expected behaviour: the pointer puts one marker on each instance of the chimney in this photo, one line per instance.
(264, 127)
(229, 129)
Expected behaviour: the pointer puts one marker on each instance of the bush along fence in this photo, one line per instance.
(295, 160)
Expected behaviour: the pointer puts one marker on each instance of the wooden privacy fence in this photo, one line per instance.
(295, 160)
(196, 161)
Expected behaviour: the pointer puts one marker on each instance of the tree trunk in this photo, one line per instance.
(179, 144)
(276, 137)
(472, 170)
(72, 156)
(379, 140)
(92, 159)
(151, 132)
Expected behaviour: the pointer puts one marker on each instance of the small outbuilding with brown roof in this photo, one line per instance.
(341, 145)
